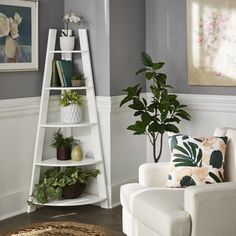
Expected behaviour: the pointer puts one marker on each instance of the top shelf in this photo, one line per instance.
(72, 51)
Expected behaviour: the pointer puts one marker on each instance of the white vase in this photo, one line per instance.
(67, 43)
(71, 114)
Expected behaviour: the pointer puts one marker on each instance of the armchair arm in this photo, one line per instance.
(212, 209)
(153, 174)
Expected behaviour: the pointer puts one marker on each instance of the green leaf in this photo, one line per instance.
(181, 149)
(157, 66)
(137, 104)
(142, 70)
(149, 75)
(125, 100)
(183, 162)
(171, 128)
(188, 148)
(146, 118)
(146, 59)
(138, 113)
(161, 77)
(138, 128)
(183, 114)
(155, 127)
(144, 102)
(215, 177)
(183, 156)
(174, 119)
(199, 158)
(41, 197)
(221, 176)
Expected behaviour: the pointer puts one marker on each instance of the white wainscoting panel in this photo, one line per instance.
(18, 122)
(123, 151)
(208, 112)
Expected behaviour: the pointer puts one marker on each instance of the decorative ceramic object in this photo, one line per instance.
(71, 114)
(63, 153)
(77, 153)
(67, 43)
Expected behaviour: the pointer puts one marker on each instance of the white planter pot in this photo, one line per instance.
(71, 114)
(67, 43)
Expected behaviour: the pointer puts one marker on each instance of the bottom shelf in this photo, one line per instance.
(82, 200)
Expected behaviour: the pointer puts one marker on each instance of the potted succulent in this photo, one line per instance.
(57, 183)
(78, 80)
(71, 103)
(63, 145)
(162, 113)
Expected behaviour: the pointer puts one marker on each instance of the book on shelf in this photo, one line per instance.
(55, 81)
(65, 71)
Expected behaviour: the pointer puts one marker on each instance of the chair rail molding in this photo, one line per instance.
(123, 151)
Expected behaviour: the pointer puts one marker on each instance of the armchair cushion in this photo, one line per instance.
(196, 161)
(212, 209)
(153, 174)
(162, 210)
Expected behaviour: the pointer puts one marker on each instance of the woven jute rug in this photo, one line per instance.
(59, 229)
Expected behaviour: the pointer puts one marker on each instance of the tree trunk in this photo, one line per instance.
(156, 158)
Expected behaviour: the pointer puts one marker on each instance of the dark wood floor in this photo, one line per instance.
(89, 214)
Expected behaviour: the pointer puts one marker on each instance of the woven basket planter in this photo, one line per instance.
(73, 191)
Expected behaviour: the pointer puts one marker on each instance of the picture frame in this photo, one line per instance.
(211, 34)
(18, 35)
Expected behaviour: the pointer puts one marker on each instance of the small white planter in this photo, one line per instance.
(71, 114)
(67, 43)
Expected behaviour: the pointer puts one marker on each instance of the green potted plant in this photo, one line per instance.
(159, 115)
(63, 145)
(57, 183)
(71, 103)
(78, 80)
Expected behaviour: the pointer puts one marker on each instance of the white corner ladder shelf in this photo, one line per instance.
(92, 124)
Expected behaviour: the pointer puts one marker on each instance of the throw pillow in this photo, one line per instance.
(196, 161)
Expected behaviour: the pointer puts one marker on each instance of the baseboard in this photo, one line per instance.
(13, 204)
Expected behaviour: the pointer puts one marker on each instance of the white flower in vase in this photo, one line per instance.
(70, 18)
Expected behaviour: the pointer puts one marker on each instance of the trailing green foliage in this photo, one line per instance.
(60, 141)
(159, 115)
(71, 97)
(52, 182)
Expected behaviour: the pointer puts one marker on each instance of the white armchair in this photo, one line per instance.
(150, 209)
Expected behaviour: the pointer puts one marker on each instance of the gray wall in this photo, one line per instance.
(28, 84)
(93, 12)
(166, 40)
(127, 40)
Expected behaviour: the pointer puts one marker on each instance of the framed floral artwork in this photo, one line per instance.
(18, 35)
(211, 27)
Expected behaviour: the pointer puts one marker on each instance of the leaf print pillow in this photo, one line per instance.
(196, 161)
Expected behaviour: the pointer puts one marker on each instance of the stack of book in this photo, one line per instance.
(62, 72)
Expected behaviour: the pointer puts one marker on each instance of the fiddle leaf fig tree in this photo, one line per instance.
(162, 113)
